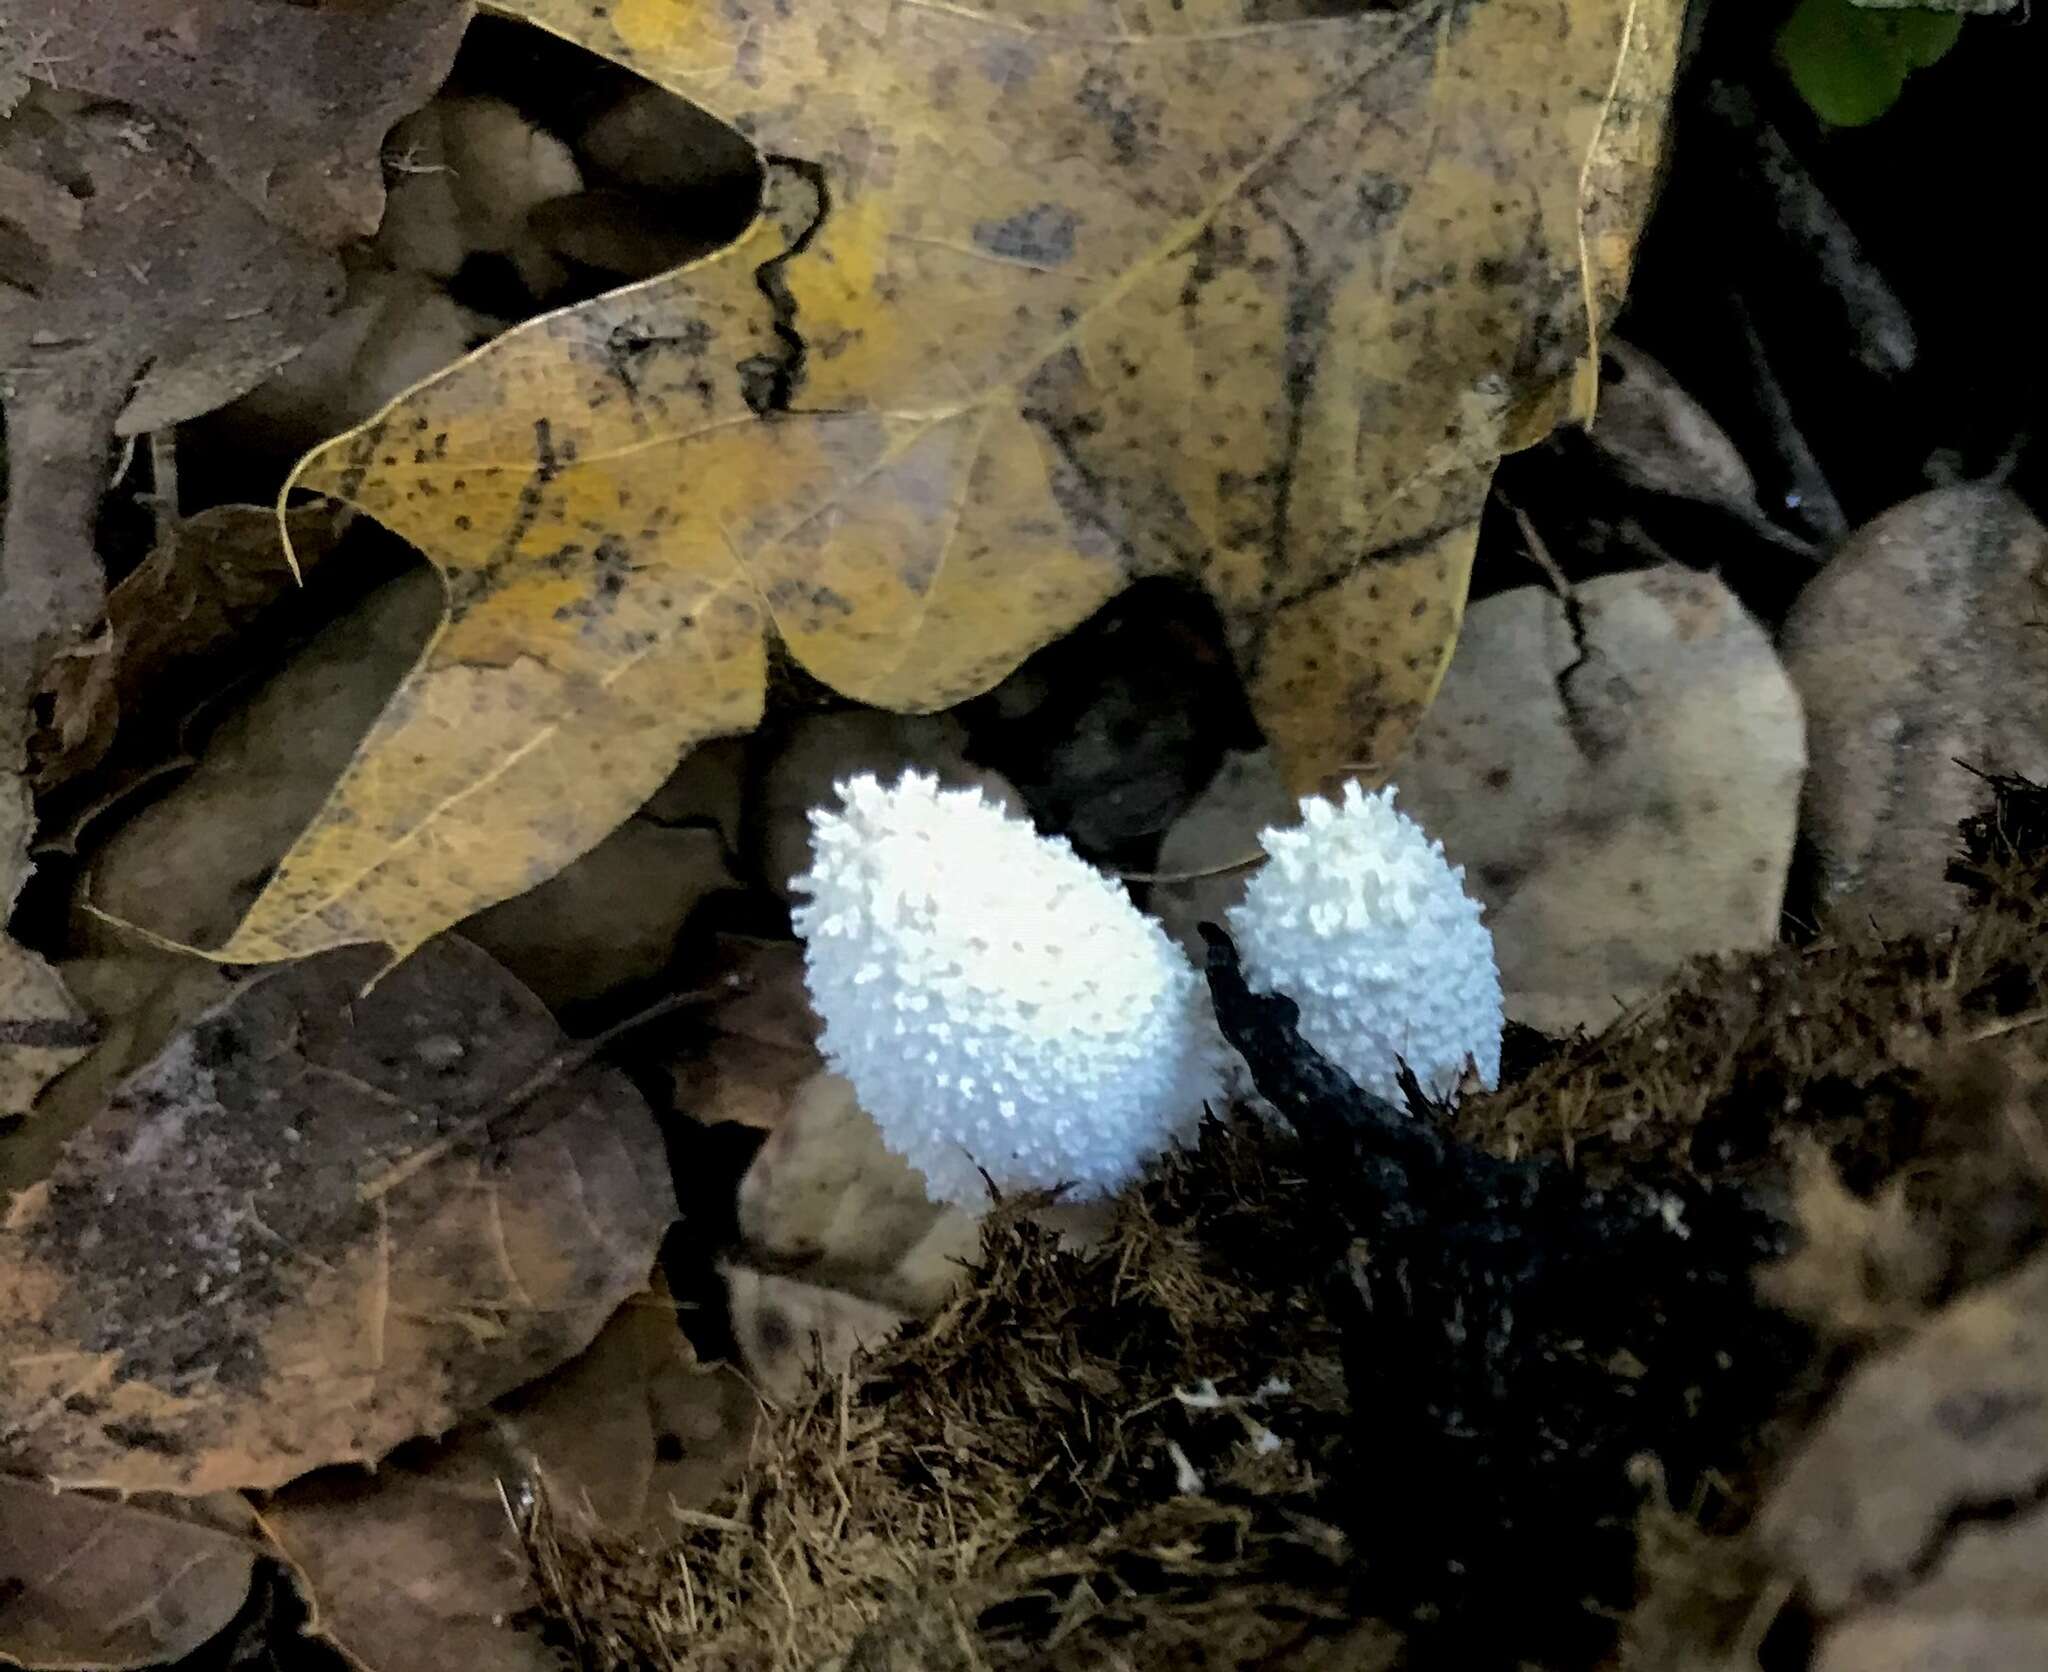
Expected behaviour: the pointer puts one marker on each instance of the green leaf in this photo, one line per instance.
(1850, 65)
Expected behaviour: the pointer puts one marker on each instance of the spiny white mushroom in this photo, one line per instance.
(1358, 917)
(996, 1003)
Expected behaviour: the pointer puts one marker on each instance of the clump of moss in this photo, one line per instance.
(1876, 1053)
(1086, 1448)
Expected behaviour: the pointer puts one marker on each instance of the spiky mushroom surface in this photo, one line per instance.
(998, 1005)
(1360, 919)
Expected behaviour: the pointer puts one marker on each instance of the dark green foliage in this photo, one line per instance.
(1851, 63)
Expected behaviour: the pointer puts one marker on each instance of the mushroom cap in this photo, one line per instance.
(1360, 919)
(997, 1004)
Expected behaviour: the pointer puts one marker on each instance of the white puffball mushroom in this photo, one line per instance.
(995, 1001)
(1358, 917)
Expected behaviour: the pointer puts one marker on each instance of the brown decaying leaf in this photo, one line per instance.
(1984, 1608)
(136, 997)
(635, 1427)
(1248, 293)
(323, 1220)
(1922, 1439)
(747, 1053)
(416, 1568)
(612, 918)
(1912, 1517)
(1620, 779)
(171, 189)
(135, 291)
(788, 1330)
(42, 1030)
(17, 826)
(175, 623)
(1921, 658)
(826, 1200)
(185, 865)
(1656, 436)
(106, 1583)
(288, 103)
(406, 1570)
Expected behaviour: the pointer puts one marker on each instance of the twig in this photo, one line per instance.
(163, 481)
(2008, 1024)
(1250, 861)
(1536, 551)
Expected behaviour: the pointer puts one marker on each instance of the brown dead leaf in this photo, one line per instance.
(105, 1583)
(1984, 1608)
(186, 865)
(612, 918)
(1656, 436)
(1913, 1516)
(172, 181)
(416, 1568)
(787, 1329)
(135, 291)
(1620, 782)
(747, 1053)
(321, 1221)
(1919, 653)
(173, 624)
(827, 1200)
(42, 1030)
(411, 1569)
(135, 998)
(636, 1426)
(17, 828)
(289, 104)
(1944, 1434)
(1059, 297)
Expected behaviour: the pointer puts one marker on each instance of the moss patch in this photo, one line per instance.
(1003, 1484)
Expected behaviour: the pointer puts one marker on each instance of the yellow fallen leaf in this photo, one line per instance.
(1060, 295)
